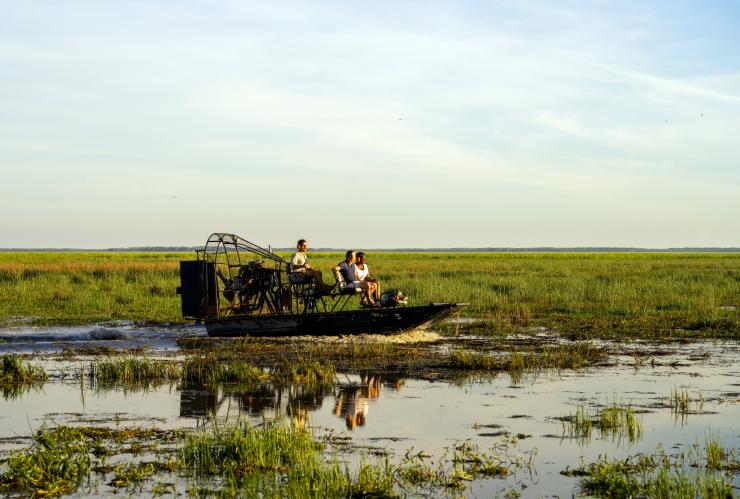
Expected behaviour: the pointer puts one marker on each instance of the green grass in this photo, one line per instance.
(17, 376)
(583, 294)
(133, 371)
(208, 370)
(57, 463)
(277, 460)
(702, 471)
(567, 356)
(616, 420)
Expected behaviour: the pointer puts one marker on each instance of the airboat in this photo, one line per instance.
(237, 288)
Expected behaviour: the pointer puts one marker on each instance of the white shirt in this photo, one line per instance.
(298, 258)
(360, 273)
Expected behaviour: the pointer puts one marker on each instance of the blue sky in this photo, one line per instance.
(414, 124)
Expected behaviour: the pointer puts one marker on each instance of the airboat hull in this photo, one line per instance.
(366, 321)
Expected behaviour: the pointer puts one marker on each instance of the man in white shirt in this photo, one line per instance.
(299, 264)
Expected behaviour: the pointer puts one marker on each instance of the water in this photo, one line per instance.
(382, 413)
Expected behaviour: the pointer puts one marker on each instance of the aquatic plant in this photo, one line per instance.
(56, 463)
(567, 356)
(461, 463)
(136, 371)
(14, 370)
(305, 372)
(17, 376)
(209, 370)
(616, 420)
(702, 471)
(278, 460)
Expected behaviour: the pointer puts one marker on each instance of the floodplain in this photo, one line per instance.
(604, 375)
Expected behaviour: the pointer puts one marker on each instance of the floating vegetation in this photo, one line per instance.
(56, 463)
(688, 474)
(62, 458)
(17, 376)
(616, 420)
(462, 463)
(133, 371)
(570, 356)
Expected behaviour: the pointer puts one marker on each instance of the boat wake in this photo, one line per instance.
(24, 339)
(63, 334)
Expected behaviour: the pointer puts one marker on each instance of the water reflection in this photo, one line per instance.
(350, 399)
(351, 402)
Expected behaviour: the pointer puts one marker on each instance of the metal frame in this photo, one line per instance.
(252, 280)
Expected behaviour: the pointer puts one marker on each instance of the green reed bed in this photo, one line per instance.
(278, 460)
(133, 371)
(583, 294)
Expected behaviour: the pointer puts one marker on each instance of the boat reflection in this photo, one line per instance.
(351, 400)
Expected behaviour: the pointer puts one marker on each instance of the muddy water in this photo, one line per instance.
(379, 413)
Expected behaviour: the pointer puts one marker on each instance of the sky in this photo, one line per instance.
(370, 124)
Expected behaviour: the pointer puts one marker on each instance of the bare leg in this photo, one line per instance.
(366, 291)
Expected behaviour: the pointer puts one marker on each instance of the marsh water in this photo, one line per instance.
(379, 414)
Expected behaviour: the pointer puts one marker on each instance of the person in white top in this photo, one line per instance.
(369, 284)
(299, 264)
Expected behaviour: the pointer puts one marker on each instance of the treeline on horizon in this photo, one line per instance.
(542, 249)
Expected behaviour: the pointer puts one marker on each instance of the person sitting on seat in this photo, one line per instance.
(299, 265)
(343, 271)
(369, 284)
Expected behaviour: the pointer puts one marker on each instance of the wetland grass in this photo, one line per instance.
(680, 403)
(62, 458)
(17, 376)
(278, 460)
(569, 356)
(669, 295)
(133, 371)
(208, 370)
(55, 464)
(616, 420)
